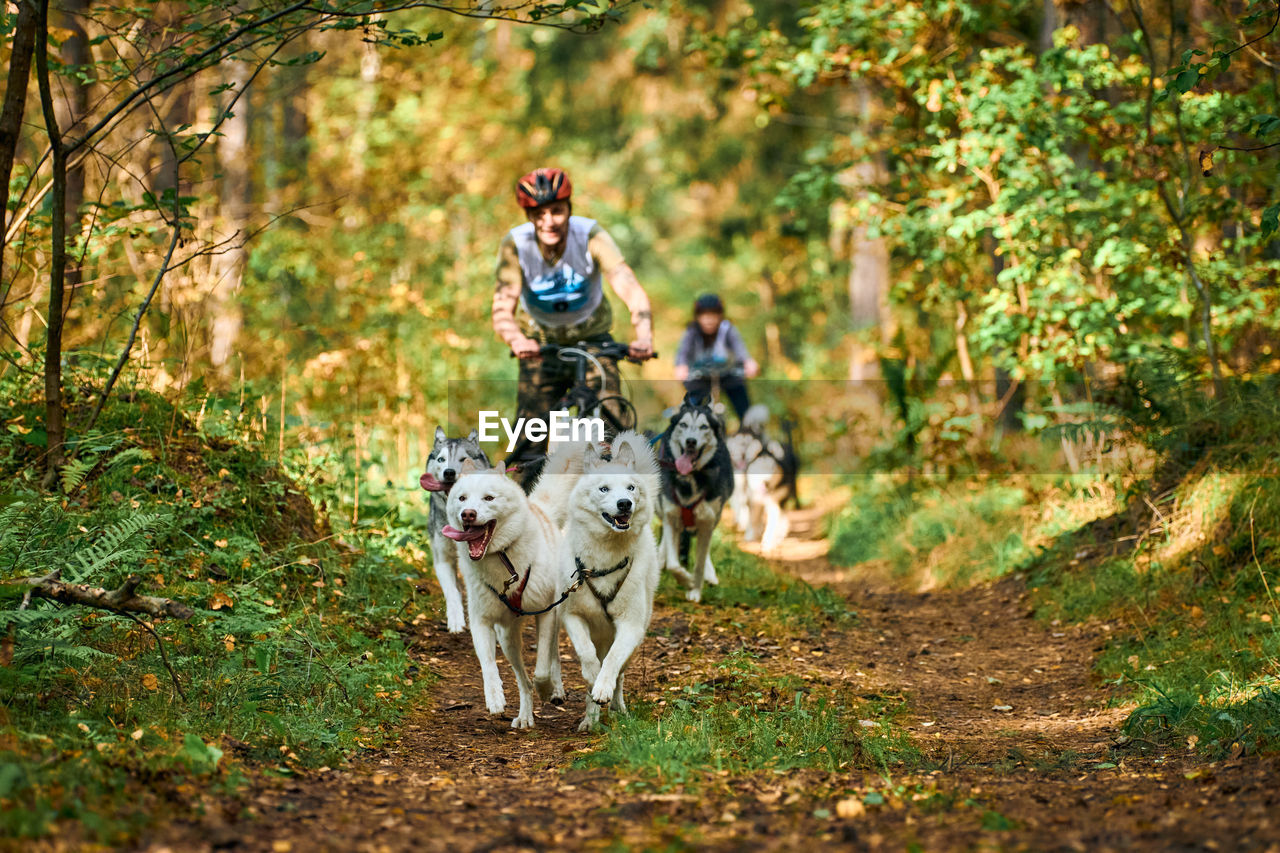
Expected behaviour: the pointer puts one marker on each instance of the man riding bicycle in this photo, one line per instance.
(552, 266)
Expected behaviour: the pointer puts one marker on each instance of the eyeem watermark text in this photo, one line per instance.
(561, 427)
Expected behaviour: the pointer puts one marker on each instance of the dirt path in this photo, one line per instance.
(1020, 752)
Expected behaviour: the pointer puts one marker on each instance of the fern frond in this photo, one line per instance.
(75, 471)
(130, 456)
(114, 544)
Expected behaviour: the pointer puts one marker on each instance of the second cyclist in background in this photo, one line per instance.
(711, 351)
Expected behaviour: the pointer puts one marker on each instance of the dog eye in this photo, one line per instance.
(604, 488)
(462, 497)
(631, 488)
(488, 497)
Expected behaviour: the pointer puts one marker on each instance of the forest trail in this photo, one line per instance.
(1019, 751)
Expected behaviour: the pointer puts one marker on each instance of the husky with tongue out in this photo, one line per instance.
(507, 546)
(443, 467)
(697, 480)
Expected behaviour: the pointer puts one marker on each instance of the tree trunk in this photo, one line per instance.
(15, 102)
(70, 109)
(227, 267)
(868, 256)
(54, 415)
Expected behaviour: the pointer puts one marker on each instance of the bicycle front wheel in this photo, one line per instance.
(617, 412)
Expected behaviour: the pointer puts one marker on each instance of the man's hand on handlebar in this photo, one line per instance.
(641, 349)
(523, 347)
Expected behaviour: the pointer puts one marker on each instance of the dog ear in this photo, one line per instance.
(624, 455)
(591, 458)
(473, 437)
(441, 435)
(468, 466)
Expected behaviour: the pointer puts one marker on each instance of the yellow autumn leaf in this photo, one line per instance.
(219, 600)
(150, 682)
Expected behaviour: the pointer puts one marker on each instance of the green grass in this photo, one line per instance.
(747, 583)
(294, 658)
(748, 721)
(1196, 595)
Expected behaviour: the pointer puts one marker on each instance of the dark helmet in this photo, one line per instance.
(543, 186)
(708, 303)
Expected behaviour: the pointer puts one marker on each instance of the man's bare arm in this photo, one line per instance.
(624, 283)
(506, 294)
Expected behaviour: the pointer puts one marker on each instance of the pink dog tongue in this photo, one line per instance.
(463, 535)
(430, 483)
(684, 464)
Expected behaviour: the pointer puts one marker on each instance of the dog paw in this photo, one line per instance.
(494, 699)
(522, 721)
(558, 701)
(589, 723)
(602, 693)
(457, 625)
(694, 595)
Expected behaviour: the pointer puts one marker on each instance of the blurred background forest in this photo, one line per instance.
(1003, 195)
(971, 240)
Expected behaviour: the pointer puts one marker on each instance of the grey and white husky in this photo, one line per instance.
(764, 478)
(697, 480)
(444, 466)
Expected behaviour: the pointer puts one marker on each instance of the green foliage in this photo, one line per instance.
(903, 524)
(294, 656)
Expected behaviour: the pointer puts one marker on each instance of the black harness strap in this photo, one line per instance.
(515, 599)
(583, 572)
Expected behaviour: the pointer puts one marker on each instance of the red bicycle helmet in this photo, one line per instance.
(543, 186)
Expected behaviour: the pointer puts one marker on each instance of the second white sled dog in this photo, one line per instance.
(608, 545)
(508, 546)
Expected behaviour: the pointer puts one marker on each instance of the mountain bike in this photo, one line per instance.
(585, 398)
(585, 401)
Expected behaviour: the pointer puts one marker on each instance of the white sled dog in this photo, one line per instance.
(764, 477)
(609, 553)
(508, 545)
(443, 467)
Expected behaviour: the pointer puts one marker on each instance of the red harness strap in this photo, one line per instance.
(686, 513)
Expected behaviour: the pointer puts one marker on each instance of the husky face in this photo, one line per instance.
(481, 503)
(445, 462)
(694, 435)
(614, 494)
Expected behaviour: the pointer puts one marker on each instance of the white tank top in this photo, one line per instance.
(563, 293)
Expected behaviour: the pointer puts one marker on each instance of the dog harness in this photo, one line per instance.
(515, 599)
(583, 573)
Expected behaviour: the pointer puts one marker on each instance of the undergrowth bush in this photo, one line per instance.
(293, 658)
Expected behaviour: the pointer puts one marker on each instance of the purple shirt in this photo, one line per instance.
(725, 346)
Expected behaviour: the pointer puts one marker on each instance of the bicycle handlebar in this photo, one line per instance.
(609, 349)
(717, 372)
